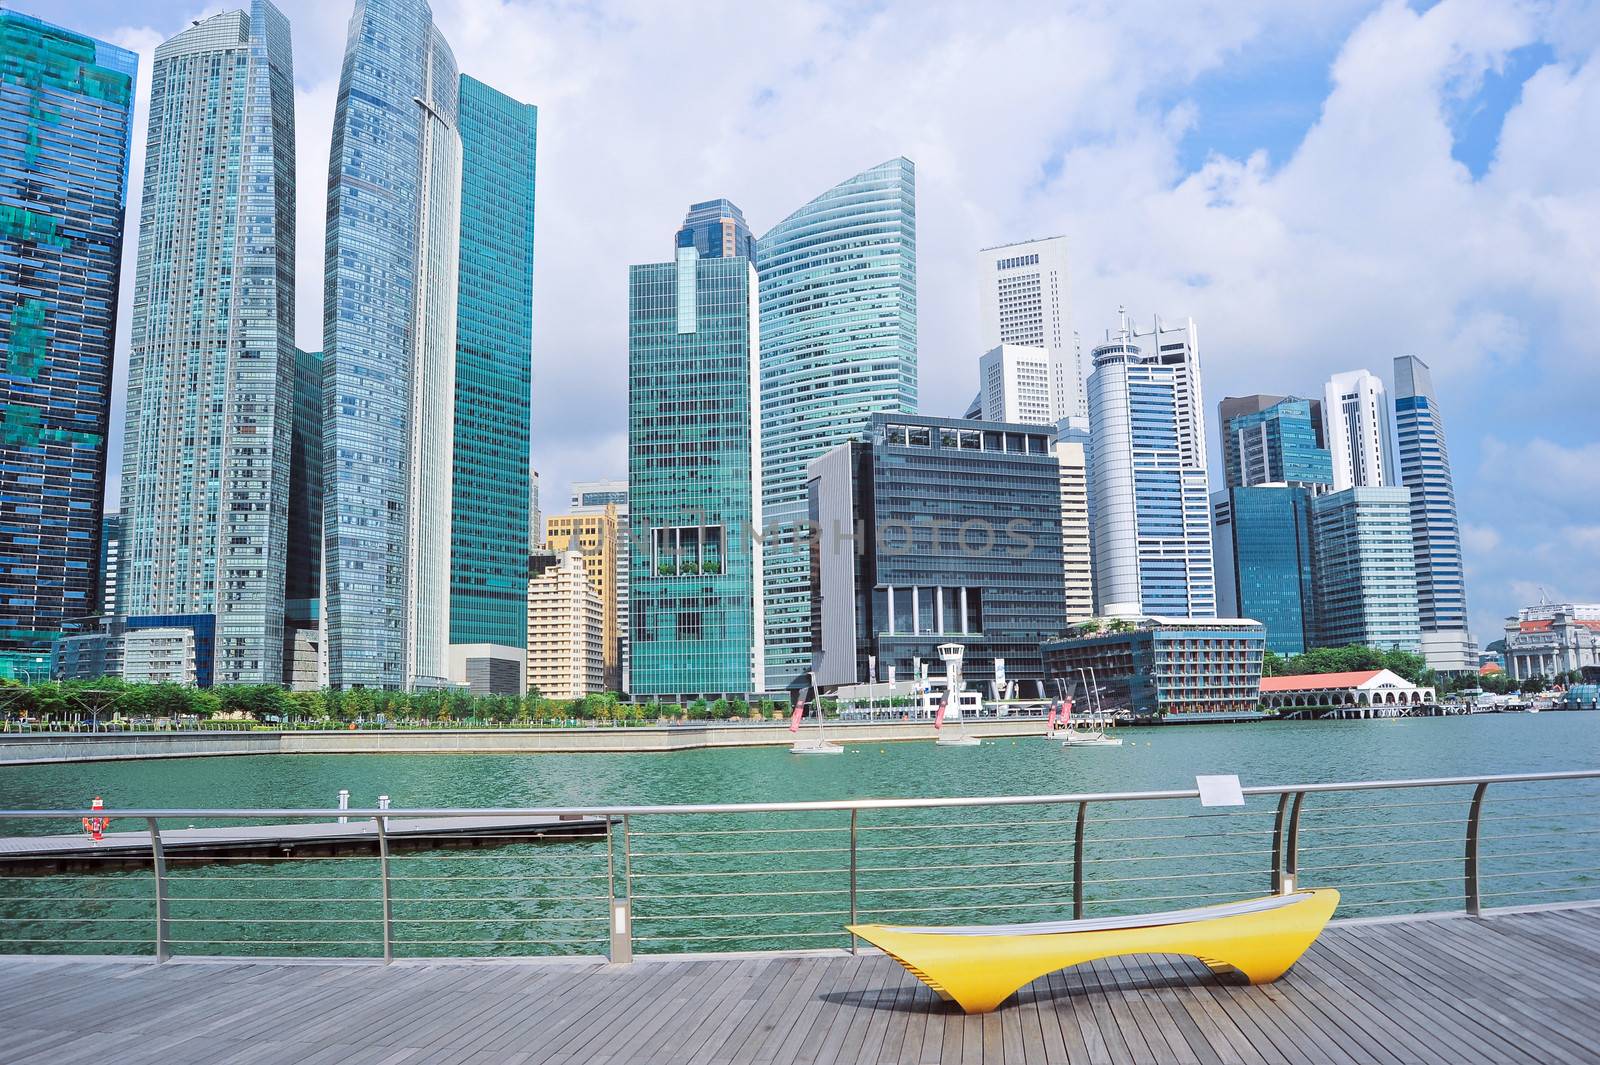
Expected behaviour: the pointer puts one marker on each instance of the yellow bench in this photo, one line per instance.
(980, 966)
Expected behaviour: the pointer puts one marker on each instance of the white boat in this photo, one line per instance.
(820, 747)
(958, 739)
(819, 744)
(1084, 738)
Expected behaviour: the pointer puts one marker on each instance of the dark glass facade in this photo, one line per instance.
(1265, 532)
(491, 486)
(1167, 667)
(66, 104)
(303, 574)
(936, 530)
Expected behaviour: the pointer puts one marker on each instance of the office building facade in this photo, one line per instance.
(1016, 383)
(694, 468)
(211, 370)
(66, 114)
(931, 531)
(596, 538)
(593, 497)
(1424, 463)
(389, 332)
(1168, 668)
(838, 345)
(1359, 430)
(1365, 578)
(1077, 550)
(1148, 484)
(304, 665)
(490, 484)
(1023, 299)
(1263, 555)
(565, 628)
(1274, 440)
(1553, 639)
(113, 566)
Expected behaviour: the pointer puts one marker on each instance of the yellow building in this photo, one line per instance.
(595, 537)
(564, 628)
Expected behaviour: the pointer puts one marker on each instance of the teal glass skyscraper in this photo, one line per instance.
(211, 369)
(838, 345)
(1274, 440)
(694, 452)
(66, 111)
(1435, 530)
(1362, 565)
(1262, 548)
(389, 330)
(494, 345)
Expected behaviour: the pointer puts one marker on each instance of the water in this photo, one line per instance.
(783, 881)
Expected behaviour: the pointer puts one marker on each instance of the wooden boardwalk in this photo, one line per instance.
(1514, 987)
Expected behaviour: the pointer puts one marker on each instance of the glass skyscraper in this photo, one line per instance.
(1263, 554)
(1435, 530)
(66, 109)
(838, 345)
(494, 367)
(303, 577)
(1152, 533)
(1365, 577)
(205, 466)
(1274, 440)
(694, 452)
(389, 329)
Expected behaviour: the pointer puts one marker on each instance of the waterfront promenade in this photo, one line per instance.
(1508, 987)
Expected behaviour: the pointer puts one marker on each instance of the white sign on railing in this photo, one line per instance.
(1220, 791)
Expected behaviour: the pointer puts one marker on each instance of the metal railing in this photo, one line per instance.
(664, 879)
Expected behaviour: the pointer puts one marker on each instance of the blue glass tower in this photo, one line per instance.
(206, 447)
(66, 109)
(1435, 529)
(694, 446)
(494, 359)
(1365, 577)
(1274, 440)
(389, 330)
(838, 345)
(1263, 557)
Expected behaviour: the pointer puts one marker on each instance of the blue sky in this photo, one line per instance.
(1322, 185)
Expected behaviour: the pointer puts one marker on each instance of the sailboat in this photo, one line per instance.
(959, 737)
(820, 744)
(1091, 736)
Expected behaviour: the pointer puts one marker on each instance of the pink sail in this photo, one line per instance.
(938, 715)
(1051, 724)
(1066, 712)
(799, 712)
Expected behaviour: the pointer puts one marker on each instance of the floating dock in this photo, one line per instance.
(359, 836)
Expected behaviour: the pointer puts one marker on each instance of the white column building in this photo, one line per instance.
(566, 659)
(1023, 300)
(1359, 431)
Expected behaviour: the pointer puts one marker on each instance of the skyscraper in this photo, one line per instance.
(838, 344)
(1365, 577)
(302, 593)
(1262, 550)
(1023, 299)
(211, 371)
(1038, 386)
(389, 331)
(66, 112)
(1358, 430)
(694, 462)
(494, 365)
(595, 538)
(593, 497)
(1274, 440)
(1072, 450)
(1152, 538)
(1435, 530)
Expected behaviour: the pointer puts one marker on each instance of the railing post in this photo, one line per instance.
(1077, 863)
(1474, 899)
(158, 862)
(622, 908)
(1277, 845)
(1291, 870)
(388, 903)
(854, 945)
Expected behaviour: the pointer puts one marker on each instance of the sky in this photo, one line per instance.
(1321, 186)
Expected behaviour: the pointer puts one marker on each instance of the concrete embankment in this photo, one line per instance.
(93, 747)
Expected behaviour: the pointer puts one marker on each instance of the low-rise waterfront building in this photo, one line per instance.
(489, 668)
(1178, 669)
(1551, 639)
(931, 531)
(565, 628)
(165, 655)
(1361, 693)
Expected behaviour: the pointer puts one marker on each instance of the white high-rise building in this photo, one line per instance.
(1359, 430)
(1018, 383)
(1077, 557)
(1147, 476)
(566, 658)
(592, 497)
(1023, 300)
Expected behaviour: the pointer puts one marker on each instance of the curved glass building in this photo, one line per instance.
(838, 345)
(389, 329)
(210, 407)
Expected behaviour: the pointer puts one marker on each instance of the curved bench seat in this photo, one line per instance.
(980, 966)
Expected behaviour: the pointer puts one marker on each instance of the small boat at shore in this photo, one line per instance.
(1091, 735)
(819, 744)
